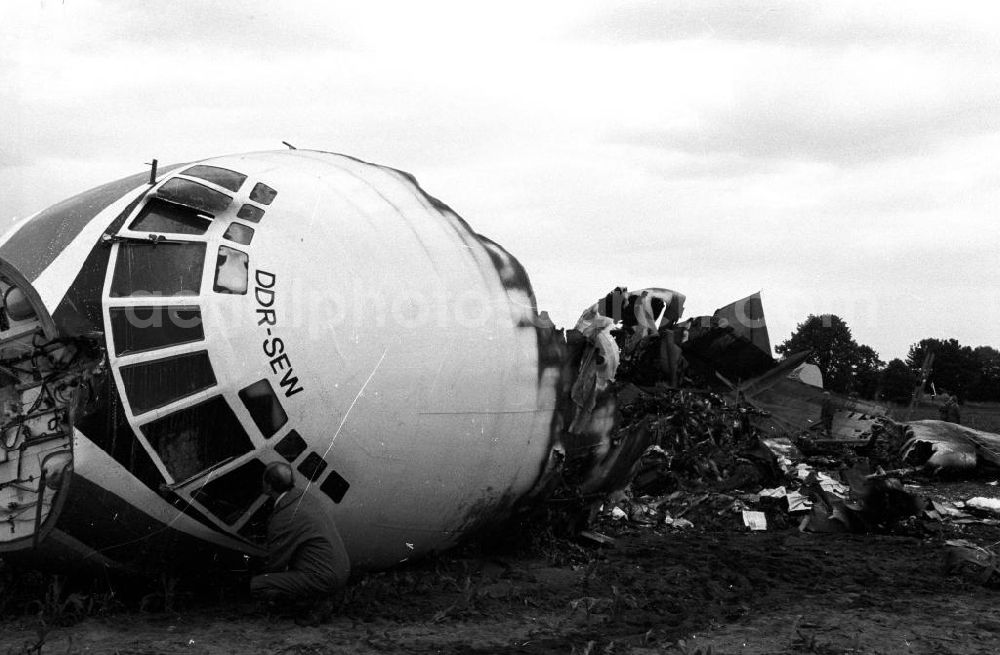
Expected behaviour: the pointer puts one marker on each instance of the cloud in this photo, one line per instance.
(256, 28)
(846, 107)
(809, 150)
(789, 133)
(789, 22)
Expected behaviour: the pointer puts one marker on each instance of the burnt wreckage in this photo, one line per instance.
(165, 336)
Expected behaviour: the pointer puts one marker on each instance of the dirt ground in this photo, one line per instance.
(655, 590)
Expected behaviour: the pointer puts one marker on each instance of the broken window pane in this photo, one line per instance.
(156, 383)
(312, 467)
(262, 193)
(136, 329)
(335, 486)
(239, 233)
(264, 407)
(192, 194)
(196, 438)
(250, 213)
(291, 446)
(224, 177)
(159, 216)
(231, 271)
(166, 269)
(231, 494)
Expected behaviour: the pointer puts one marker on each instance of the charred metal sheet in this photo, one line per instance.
(733, 341)
(945, 447)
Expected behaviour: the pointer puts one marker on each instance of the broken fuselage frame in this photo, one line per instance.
(163, 340)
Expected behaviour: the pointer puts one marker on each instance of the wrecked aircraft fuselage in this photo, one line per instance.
(163, 340)
(164, 337)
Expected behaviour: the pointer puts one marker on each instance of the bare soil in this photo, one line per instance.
(655, 590)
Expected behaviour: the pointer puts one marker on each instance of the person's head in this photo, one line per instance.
(277, 479)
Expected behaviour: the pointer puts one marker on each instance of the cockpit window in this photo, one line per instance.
(262, 193)
(224, 177)
(231, 494)
(335, 486)
(159, 382)
(312, 467)
(160, 216)
(239, 233)
(165, 269)
(250, 213)
(137, 329)
(291, 446)
(192, 194)
(231, 271)
(264, 407)
(196, 438)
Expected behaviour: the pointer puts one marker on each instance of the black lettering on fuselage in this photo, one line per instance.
(288, 383)
(273, 347)
(265, 297)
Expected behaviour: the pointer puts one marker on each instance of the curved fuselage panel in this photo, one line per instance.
(303, 307)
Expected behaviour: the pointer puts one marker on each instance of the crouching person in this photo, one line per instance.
(307, 566)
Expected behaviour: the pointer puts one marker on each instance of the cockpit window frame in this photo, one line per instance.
(225, 178)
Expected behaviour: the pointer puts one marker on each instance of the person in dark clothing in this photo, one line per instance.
(949, 411)
(826, 412)
(307, 564)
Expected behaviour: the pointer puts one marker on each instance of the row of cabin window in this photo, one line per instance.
(192, 194)
(196, 438)
(175, 269)
(179, 438)
(159, 217)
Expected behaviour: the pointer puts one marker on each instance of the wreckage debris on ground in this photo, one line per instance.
(744, 455)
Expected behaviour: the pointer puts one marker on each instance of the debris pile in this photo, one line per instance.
(698, 428)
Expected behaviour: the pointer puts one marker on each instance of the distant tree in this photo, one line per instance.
(867, 371)
(955, 368)
(898, 381)
(846, 365)
(988, 387)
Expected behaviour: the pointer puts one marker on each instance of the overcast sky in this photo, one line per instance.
(839, 157)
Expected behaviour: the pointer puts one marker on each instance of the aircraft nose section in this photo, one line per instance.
(40, 383)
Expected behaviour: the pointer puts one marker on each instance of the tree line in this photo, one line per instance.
(852, 368)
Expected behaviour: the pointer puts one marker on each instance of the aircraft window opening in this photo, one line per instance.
(223, 177)
(192, 194)
(139, 329)
(239, 233)
(250, 213)
(262, 193)
(231, 494)
(312, 467)
(165, 269)
(159, 382)
(197, 438)
(232, 271)
(160, 216)
(335, 486)
(264, 407)
(290, 446)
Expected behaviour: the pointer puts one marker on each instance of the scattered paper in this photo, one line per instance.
(754, 520)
